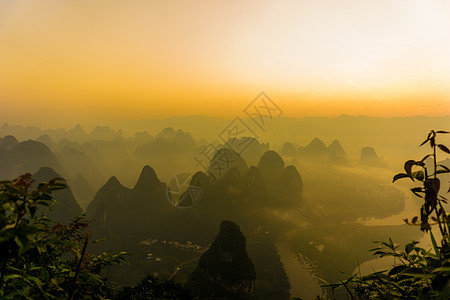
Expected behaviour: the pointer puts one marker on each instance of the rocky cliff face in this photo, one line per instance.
(225, 270)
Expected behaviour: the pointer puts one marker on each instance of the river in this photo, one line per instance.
(411, 209)
(303, 283)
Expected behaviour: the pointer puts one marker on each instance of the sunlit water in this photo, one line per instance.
(300, 272)
(411, 209)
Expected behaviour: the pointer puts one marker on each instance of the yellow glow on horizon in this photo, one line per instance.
(118, 59)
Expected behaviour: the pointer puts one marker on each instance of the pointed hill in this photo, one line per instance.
(77, 134)
(288, 149)
(46, 140)
(315, 148)
(130, 211)
(225, 271)
(336, 148)
(112, 196)
(148, 183)
(66, 207)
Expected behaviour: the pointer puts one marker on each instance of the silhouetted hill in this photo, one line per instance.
(77, 162)
(315, 148)
(141, 138)
(271, 166)
(249, 148)
(78, 134)
(46, 140)
(288, 149)
(148, 182)
(8, 142)
(291, 185)
(282, 186)
(225, 159)
(130, 211)
(166, 133)
(104, 133)
(336, 148)
(109, 203)
(168, 142)
(66, 207)
(225, 271)
(370, 158)
(254, 187)
(27, 156)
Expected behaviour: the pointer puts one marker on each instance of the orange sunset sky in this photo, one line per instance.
(64, 62)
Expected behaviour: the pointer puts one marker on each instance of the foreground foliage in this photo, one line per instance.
(43, 259)
(153, 288)
(418, 273)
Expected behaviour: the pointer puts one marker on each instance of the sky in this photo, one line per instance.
(64, 62)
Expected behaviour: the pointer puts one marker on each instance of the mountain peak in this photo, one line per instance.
(316, 142)
(225, 159)
(148, 178)
(315, 147)
(8, 142)
(225, 270)
(78, 129)
(113, 181)
(271, 161)
(5, 126)
(46, 174)
(336, 148)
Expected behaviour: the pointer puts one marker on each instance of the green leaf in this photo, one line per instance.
(35, 279)
(433, 242)
(396, 270)
(54, 281)
(18, 242)
(442, 269)
(45, 275)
